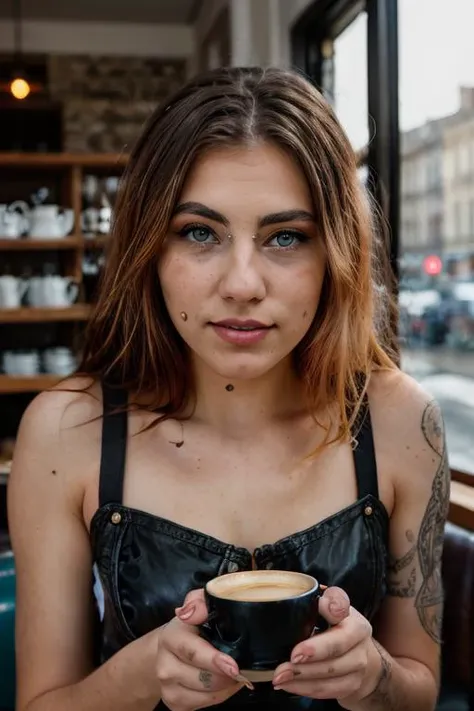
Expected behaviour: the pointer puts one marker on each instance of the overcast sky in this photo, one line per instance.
(436, 58)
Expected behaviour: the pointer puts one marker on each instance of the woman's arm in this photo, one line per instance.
(121, 684)
(409, 626)
(399, 671)
(53, 567)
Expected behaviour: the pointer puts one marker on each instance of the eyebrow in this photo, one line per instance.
(197, 208)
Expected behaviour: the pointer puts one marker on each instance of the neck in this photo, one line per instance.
(238, 407)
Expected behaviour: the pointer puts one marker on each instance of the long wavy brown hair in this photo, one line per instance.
(130, 339)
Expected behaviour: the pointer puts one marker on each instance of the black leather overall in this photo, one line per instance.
(147, 564)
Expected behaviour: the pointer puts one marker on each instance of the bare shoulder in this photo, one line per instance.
(69, 403)
(58, 435)
(408, 427)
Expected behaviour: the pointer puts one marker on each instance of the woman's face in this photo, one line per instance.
(243, 263)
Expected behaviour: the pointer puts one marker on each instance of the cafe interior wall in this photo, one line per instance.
(107, 77)
(106, 86)
(106, 100)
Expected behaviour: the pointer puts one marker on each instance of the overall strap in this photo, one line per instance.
(114, 445)
(364, 454)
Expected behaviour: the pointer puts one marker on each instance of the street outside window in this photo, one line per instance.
(437, 210)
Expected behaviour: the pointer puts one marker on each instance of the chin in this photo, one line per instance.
(243, 367)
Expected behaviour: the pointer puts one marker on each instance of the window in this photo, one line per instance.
(350, 81)
(436, 103)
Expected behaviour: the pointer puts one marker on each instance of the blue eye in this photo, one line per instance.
(199, 234)
(287, 239)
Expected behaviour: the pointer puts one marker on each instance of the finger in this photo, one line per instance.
(347, 664)
(195, 651)
(334, 605)
(193, 610)
(181, 697)
(335, 642)
(194, 596)
(173, 671)
(335, 688)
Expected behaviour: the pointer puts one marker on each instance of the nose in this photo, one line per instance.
(242, 279)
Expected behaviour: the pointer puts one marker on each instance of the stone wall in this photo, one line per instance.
(106, 100)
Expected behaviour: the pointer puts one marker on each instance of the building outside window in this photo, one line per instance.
(437, 258)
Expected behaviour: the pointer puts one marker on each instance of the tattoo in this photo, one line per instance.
(429, 600)
(380, 694)
(401, 579)
(205, 677)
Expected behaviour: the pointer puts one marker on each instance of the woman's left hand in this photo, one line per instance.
(341, 663)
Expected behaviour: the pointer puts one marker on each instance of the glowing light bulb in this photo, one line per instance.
(20, 88)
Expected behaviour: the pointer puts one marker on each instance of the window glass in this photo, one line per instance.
(350, 81)
(437, 210)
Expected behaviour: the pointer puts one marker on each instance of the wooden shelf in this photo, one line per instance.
(98, 242)
(76, 312)
(27, 384)
(31, 244)
(58, 160)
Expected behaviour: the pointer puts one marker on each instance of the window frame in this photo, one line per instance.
(325, 19)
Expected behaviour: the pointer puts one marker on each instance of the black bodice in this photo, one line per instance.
(144, 565)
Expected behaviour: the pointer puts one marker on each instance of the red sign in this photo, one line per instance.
(432, 265)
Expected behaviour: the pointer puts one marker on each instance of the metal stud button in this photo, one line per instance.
(368, 511)
(116, 517)
(232, 567)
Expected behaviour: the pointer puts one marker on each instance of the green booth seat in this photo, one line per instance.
(7, 631)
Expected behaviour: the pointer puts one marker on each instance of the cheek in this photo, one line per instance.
(182, 283)
(305, 289)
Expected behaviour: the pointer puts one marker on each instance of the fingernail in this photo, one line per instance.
(243, 680)
(283, 678)
(184, 613)
(336, 609)
(299, 659)
(226, 667)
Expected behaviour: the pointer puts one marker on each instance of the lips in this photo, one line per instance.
(238, 325)
(241, 332)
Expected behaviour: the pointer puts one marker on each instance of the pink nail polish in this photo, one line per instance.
(299, 659)
(186, 612)
(226, 667)
(336, 609)
(283, 678)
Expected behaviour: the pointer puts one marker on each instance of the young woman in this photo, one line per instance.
(234, 409)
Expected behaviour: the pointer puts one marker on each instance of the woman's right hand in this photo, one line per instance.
(192, 673)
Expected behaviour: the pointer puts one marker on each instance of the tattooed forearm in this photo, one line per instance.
(401, 578)
(381, 697)
(429, 600)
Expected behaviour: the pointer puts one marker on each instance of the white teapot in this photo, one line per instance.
(50, 221)
(14, 219)
(12, 291)
(59, 291)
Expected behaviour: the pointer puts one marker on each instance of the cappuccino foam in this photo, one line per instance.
(260, 585)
